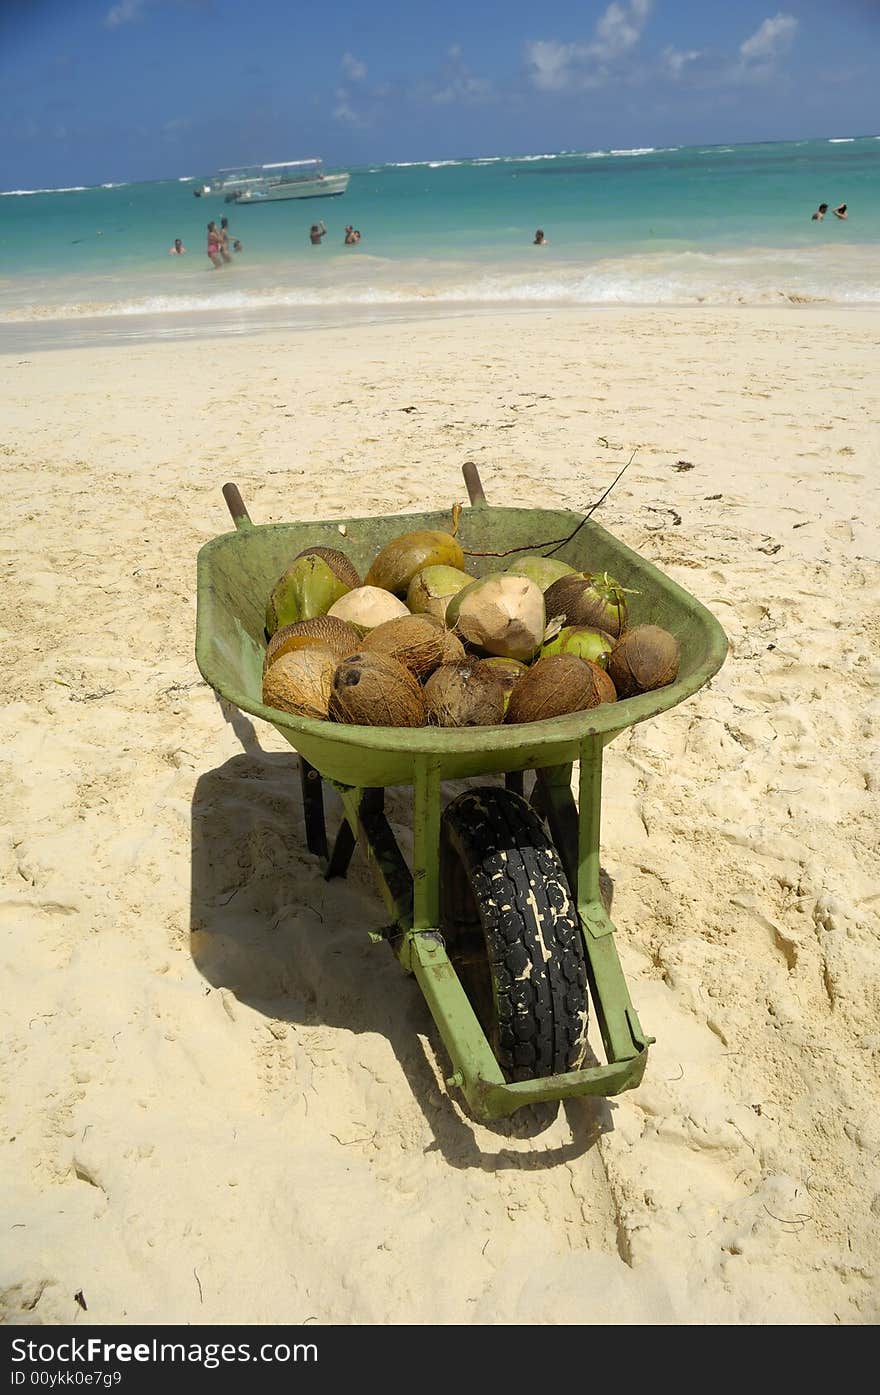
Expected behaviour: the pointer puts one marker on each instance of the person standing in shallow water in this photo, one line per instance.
(316, 233)
(820, 213)
(540, 239)
(214, 245)
(224, 240)
(840, 211)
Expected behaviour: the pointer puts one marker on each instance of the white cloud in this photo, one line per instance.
(619, 29)
(123, 13)
(345, 112)
(676, 60)
(769, 39)
(551, 62)
(454, 82)
(353, 67)
(555, 66)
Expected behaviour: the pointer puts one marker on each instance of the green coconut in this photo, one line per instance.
(543, 571)
(374, 690)
(395, 566)
(585, 643)
(366, 607)
(464, 695)
(500, 614)
(431, 589)
(597, 602)
(299, 681)
(309, 587)
(556, 685)
(644, 658)
(341, 638)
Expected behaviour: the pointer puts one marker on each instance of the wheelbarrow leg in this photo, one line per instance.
(373, 802)
(313, 807)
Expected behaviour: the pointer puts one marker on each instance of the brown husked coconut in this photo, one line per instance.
(507, 671)
(367, 607)
(464, 695)
(559, 684)
(644, 658)
(341, 638)
(300, 681)
(374, 690)
(419, 642)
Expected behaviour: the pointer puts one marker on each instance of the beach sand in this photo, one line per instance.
(223, 1104)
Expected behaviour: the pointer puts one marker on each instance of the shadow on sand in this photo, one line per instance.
(267, 926)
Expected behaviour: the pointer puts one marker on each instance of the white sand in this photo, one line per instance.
(222, 1104)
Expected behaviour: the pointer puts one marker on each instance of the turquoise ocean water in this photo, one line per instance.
(690, 225)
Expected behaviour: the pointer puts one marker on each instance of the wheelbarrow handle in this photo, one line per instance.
(473, 482)
(235, 504)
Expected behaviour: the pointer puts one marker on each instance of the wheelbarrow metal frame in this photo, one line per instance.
(361, 761)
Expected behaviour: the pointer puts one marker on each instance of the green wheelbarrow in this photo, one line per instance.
(500, 915)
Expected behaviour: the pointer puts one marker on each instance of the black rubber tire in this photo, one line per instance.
(512, 933)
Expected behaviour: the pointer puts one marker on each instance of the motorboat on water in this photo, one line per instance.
(287, 179)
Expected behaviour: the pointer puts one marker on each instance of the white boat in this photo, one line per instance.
(287, 179)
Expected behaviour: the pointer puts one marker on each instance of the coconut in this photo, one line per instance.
(499, 614)
(644, 658)
(341, 638)
(586, 643)
(556, 685)
(395, 566)
(344, 569)
(464, 695)
(300, 681)
(309, 587)
(366, 607)
(595, 601)
(507, 671)
(419, 642)
(374, 690)
(543, 571)
(431, 589)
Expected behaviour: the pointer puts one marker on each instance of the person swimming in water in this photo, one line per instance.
(178, 249)
(820, 213)
(540, 239)
(840, 211)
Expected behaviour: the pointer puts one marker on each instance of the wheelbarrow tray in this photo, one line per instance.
(237, 571)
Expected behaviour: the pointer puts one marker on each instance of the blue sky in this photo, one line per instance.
(105, 90)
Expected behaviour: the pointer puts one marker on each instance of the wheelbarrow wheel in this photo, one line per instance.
(512, 933)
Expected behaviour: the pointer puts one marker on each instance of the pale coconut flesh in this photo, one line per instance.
(500, 614)
(368, 606)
